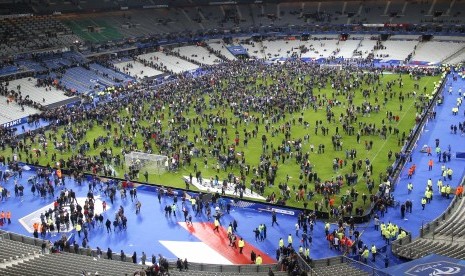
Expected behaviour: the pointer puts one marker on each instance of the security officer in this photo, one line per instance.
(373, 252)
(410, 187)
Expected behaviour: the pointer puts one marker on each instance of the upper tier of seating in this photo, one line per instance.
(133, 23)
(263, 13)
(26, 33)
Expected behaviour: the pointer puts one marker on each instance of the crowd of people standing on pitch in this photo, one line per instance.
(263, 102)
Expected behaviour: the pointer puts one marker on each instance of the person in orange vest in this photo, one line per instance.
(2, 217)
(459, 191)
(430, 165)
(410, 173)
(349, 245)
(8, 217)
(36, 230)
(331, 202)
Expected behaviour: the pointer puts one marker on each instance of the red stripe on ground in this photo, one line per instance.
(219, 242)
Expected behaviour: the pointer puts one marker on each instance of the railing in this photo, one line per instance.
(397, 244)
(416, 131)
(251, 268)
(351, 262)
(21, 238)
(431, 226)
(428, 228)
(409, 252)
(232, 268)
(304, 265)
(117, 257)
(363, 267)
(446, 239)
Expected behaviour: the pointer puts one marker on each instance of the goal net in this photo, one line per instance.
(332, 66)
(139, 162)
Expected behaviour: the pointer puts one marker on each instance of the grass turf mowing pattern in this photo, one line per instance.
(322, 163)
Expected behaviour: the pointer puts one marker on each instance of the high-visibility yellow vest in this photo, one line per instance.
(241, 243)
(448, 189)
(365, 253)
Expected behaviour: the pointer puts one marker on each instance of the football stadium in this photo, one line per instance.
(196, 137)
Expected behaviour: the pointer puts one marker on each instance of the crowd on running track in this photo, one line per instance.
(185, 95)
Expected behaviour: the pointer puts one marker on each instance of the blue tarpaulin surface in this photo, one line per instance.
(430, 265)
(237, 50)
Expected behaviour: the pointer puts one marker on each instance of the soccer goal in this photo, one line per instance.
(332, 66)
(139, 162)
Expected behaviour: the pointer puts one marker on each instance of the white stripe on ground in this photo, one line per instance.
(195, 252)
(387, 138)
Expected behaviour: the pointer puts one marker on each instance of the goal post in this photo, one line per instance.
(332, 66)
(139, 163)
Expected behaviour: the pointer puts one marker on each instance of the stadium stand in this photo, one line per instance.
(456, 58)
(21, 255)
(117, 77)
(395, 49)
(44, 95)
(137, 69)
(24, 34)
(220, 49)
(169, 62)
(70, 264)
(347, 48)
(197, 54)
(366, 46)
(338, 269)
(281, 48)
(254, 49)
(442, 236)
(322, 46)
(11, 250)
(94, 30)
(12, 111)
(89, 78)
(435, 52)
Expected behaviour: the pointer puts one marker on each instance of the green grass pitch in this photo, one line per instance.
(322, 163)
